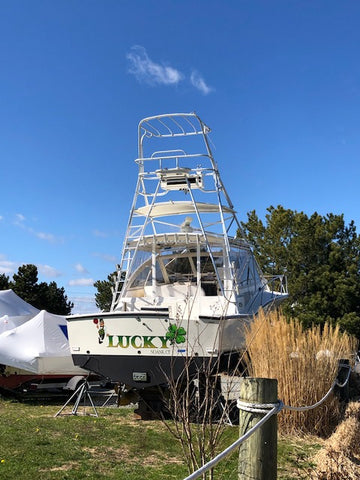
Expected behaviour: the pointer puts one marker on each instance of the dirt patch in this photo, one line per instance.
(61, 468)
(124, 454)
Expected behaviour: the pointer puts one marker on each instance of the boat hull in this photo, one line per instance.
(147, 349)
(139, 372)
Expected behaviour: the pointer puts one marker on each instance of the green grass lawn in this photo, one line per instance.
(35, 445)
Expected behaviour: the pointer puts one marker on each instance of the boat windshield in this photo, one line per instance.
(175, 265)
(246, 269)
(187, 265)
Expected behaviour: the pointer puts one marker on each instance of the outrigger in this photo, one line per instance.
(188, 282)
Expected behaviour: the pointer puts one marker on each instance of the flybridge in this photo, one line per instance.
(159, 210)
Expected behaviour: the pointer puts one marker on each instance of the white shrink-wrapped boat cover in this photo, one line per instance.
(14, 310)
(39, 346)
(8, 323)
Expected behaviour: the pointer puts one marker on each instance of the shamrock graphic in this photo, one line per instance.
(175, 334)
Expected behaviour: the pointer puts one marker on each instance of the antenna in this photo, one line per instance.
(186, 225)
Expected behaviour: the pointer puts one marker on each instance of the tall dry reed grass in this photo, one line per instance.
(305, 363)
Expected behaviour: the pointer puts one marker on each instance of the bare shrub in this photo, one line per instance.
(305, 363)
(199, 412)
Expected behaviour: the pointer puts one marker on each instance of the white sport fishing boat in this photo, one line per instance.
(188, 283)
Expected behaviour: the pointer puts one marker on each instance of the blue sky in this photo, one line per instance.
(277, 81)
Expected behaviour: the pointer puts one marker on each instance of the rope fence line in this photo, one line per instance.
(269, 409)
(234, 445)
(335, 384)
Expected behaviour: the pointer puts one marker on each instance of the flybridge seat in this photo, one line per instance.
(163, 209)
(164, 240)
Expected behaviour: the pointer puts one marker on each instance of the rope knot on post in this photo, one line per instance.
(260, 407)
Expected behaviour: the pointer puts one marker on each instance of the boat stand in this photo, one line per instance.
(81, 392)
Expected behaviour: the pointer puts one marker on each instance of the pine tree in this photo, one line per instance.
(320, 256)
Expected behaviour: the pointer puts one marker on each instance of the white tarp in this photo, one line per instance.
(8, 323)
(39, 345)
(14, 310)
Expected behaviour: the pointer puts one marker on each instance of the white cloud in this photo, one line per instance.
(9, 267)
(84, 304)
(82, 282)
(153, 73)
(1, 217)
(49, 237)
(20, 217)
(19, 220)
(106, 257)
(80, 268)
(48, 271)
(6, 266)
(148, 71)
(98, 233)
(199, 83)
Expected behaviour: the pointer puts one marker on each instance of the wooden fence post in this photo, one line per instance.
(258, 454)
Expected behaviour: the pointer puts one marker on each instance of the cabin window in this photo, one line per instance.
(142, 278)
(179, 269)
(246, 268)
